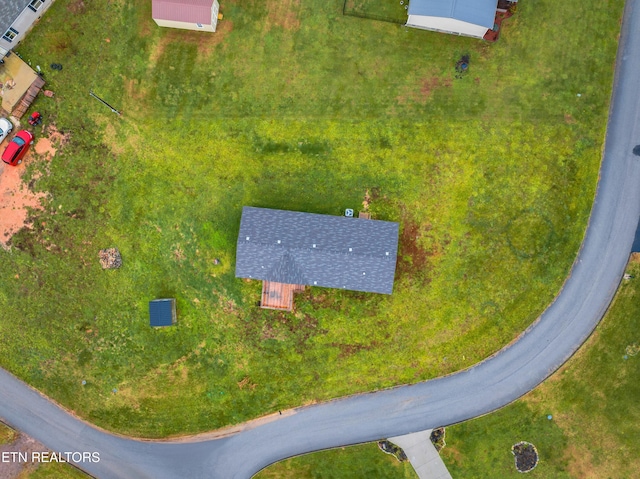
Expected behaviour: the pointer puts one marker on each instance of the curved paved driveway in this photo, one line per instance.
(512, 372)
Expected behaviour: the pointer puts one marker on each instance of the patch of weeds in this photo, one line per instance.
(7, 435)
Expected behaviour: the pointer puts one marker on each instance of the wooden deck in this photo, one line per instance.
(279, 295)
(28, 97)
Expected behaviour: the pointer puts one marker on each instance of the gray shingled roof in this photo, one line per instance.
(317, 250)
(9, 11)
(477, 12)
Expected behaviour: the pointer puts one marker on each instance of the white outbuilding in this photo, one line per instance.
(472, 18)
(199, 15)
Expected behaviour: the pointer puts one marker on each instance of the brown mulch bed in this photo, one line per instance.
(390, 448)
(526, 456)
(437, 438)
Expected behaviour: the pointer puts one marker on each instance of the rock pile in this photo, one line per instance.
(110, 258)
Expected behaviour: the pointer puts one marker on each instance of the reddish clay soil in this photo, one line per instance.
(412, 257)
(49, 146)
(15, 199)
(15, 196)
(45, 147)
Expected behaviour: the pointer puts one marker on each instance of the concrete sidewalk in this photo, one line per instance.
(422, 454)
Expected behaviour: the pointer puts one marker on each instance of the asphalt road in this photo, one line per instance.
(487, 386)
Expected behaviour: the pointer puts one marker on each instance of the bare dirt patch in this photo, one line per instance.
(44, 146)
(204, 41)
(422, 92)
(15, 201)
(49, 145)
(76, 7)
(453, 453)
(412, 258)
(428, 85)
(283, 14)
(579, 463)
(296, 328)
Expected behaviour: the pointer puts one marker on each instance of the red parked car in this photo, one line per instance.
(17, 148)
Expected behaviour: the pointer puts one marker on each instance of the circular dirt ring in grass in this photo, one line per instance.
(526, 456)
(529, 233)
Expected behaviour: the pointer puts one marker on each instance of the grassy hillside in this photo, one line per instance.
(295, 106)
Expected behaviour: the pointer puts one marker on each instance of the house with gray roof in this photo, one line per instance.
(473, 18)
(289, 249)
(199, 15)
(16, 19)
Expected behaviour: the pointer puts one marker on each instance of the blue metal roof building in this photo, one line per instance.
(461, 17)
(162, 312)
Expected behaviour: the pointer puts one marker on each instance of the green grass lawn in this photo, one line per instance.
(385, 10)
(55, 470)
(294, 106)
(344, 463)
(594, 431)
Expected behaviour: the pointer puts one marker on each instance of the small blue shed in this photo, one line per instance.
(162, 312)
